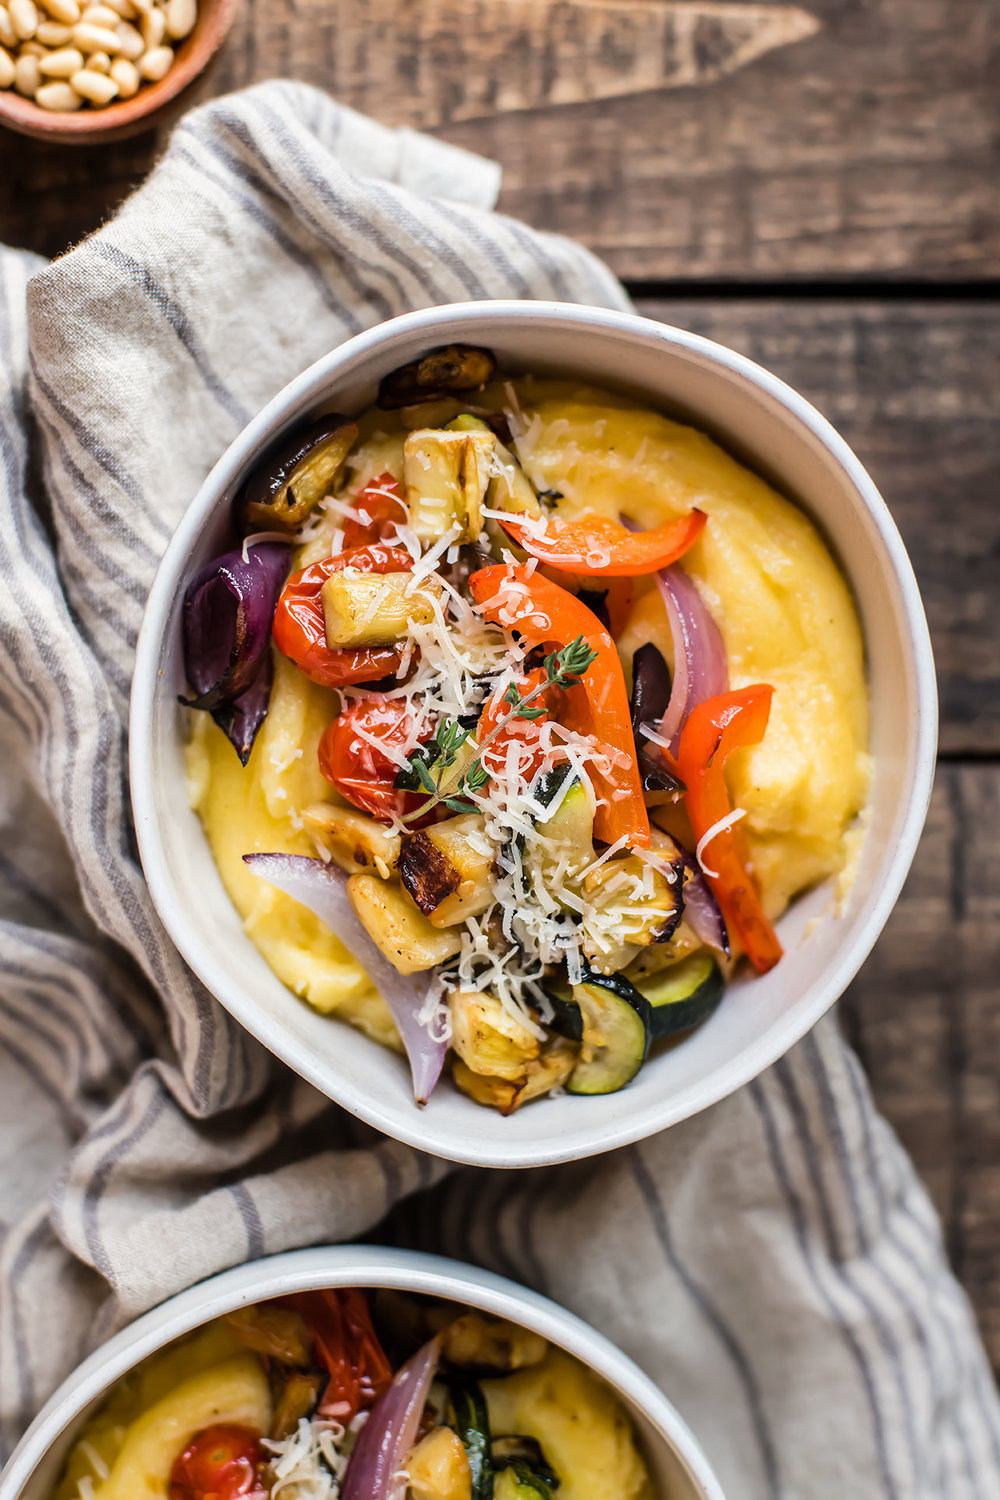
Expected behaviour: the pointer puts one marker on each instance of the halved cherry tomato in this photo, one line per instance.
(381, 501)
(546, 615)
(361, 772)
(347, 1345)
(712, 731)
(497, 709)
(299, 628)
(600, 547)
(220, 1463)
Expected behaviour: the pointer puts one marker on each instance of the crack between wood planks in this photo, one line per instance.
(828, 289)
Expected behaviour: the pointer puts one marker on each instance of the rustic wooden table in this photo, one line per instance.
(817, 187)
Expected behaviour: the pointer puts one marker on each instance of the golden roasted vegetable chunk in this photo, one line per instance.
(353, 840)
(404, 934)
(269, 1329)
(548, 1071)
(444, 871)
(487, 1038)
(291, 481)
(476, 1342)
(446, 475)
(438, 1468)
(441, 372)
(632, 905)
(375, 609)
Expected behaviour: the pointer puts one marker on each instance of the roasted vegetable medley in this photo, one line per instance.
(350, 1395)
(543, 708)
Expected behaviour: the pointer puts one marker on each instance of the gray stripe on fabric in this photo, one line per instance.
(100, 1175)
(758, 1096)
(422, 231)
(237, 127)
(271, 227)
(840, 1261)
(35, 1236)
(738, 1357)
(33, 891)
(463, 220)
(90, 444)
(71, 1120)
(536, 247)
(250, 1218)
(170, 309)
(533, 1195)
(391, 248)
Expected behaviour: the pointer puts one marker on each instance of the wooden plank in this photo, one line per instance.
(906, 384)
(679, 138)
(925, 1016)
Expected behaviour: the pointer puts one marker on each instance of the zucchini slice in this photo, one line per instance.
(517, 1481)
(472, 1423)
(684, 995)
(617, 1031)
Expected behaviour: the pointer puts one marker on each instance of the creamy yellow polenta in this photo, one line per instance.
(783, 608)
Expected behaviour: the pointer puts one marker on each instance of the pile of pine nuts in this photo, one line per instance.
(65, 54)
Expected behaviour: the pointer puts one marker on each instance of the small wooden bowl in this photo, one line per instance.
(89, 126)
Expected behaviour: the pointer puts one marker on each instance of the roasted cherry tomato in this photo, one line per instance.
(381, 502)
(220, 1463)
(299, 628)
(712, 731)
(546, 615)
(347, 1345)
(358, 769)
(600, 547)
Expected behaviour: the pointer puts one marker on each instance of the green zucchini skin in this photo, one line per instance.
(684, 995)
(613, 1009)
(516, 1481)
(472, 1424)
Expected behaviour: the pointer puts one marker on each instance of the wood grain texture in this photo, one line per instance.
(925, 1016)
(907, 383)
(679, 138)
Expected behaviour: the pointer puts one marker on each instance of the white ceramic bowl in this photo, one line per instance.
(776, 432)
(679, 1467)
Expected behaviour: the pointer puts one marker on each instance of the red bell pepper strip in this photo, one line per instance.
(299, 628)
(220, 1463)
(347, 1346)
(600, 547)
(497, 709)
(381, 502)
(543, 614)
(712, 731)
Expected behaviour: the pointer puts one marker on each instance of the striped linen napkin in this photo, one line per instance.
(774, 1263)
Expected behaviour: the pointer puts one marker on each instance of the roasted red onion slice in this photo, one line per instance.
(228, 609)
(702, 910)
(323, 889)
(390, 1434)
(700, 669)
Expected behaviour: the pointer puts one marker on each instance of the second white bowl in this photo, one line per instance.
(778, 433)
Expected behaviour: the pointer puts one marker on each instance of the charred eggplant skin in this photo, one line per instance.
(291, 480)
(425, 873)
(445, 371)
(650, 687)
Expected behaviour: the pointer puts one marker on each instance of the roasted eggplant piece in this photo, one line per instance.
(395, 925)
(438, 1468)
(446, 371)
(294, 477)
(491, 1346)
(443, 874)
(633, 905)
(297, 1393)
(354, 841)
(547, 1072)
(374, 609)
(650, 688)
(487, 1038)
(447, 475)
(278, 1332)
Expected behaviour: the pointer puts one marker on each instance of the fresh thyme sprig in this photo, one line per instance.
(563, 668)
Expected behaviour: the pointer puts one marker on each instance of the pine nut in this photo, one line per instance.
(94, 86)
(142, 7)
(33, 49)
(100, 15)
(8, 36)
(27, 78)
(53, 34)
(95, 38)
(99, 62)
(66, 11)
(7, 69)
(123, 9)
(61, 64)
(155, 64)
(58, 96)
(23, 18)
(130, 43)
(181, 16)
(126, 76)
(152, 26)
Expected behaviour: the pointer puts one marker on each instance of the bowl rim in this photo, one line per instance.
(354, 1265)
(292, 401)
